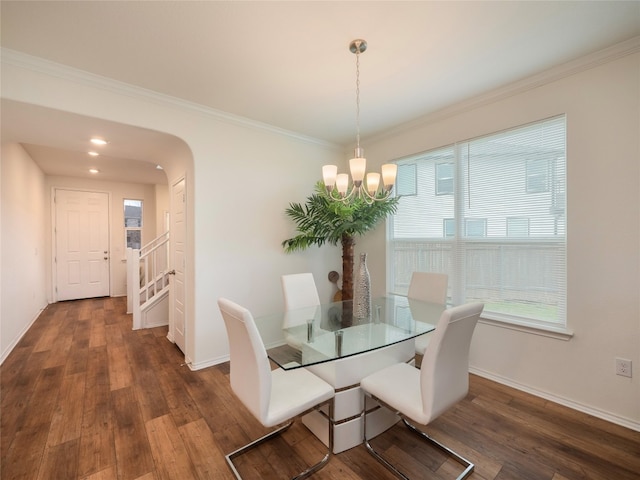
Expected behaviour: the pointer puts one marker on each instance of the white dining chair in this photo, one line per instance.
(299, 290)
(300, 299)
(420, 396)
(272, 396)
(428, 287)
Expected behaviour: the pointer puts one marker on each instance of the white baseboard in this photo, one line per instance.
(208, 363)
(155, 325)
(604, 415)
(15, 341)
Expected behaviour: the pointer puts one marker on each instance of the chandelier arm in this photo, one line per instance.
(385, 195)
(362, 193)
(340, 197)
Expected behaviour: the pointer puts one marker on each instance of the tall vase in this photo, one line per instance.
(362, 290)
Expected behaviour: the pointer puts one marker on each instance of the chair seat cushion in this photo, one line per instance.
(399, 387)
(293, 392)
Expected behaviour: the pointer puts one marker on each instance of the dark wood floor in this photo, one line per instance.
(84, 396)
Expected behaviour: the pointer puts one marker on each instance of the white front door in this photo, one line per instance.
(81, 244)
(178, 245)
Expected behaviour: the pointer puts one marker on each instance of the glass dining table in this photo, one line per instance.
(342, 349)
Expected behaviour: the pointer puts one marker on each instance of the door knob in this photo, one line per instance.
(171, 272)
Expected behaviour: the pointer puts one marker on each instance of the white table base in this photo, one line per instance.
(344, 375)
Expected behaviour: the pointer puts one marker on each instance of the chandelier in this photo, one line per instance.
(337, 185)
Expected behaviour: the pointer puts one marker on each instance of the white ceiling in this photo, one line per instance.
(59, 142)
(288, 64)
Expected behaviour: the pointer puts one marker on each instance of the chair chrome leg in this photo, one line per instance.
(466, 463)
(379, 457)
(314, 468)
(309, 471)
(460, 459)
(252, 445)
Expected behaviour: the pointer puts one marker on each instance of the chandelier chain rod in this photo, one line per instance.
(358, 98)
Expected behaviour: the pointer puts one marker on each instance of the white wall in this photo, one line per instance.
(240, 178)
(244, 182)
(602, 105)
(117, 193)
(162, 208)
(22, 267)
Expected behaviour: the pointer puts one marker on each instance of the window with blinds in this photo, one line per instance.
(491, 213)
(133, 223)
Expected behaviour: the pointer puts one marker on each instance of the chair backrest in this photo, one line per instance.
(299, 291)
(249, 364)
(444, 373)
(429, 287)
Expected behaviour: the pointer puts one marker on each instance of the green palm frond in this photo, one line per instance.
(325, 220)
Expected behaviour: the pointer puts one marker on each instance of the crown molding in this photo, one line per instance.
(81, 77)
(567, 69)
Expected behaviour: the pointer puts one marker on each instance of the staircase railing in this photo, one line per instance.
(147, 276)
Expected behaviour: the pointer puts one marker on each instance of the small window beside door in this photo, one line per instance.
(133, 223)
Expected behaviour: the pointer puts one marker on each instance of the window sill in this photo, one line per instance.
(559, 333)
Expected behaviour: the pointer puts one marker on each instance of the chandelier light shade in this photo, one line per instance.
(364, 185)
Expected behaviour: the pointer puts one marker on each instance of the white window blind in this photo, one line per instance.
(499, 232)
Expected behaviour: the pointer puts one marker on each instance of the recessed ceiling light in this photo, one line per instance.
(94, 170)
(98, 141)
(93, 154)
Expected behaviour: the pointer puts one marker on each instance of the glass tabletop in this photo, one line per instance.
(326, 332)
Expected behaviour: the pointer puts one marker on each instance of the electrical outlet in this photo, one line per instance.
(623, 367)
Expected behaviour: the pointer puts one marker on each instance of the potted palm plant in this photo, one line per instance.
(323, 219)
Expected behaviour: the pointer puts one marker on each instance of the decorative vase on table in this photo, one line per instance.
(362, 290)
